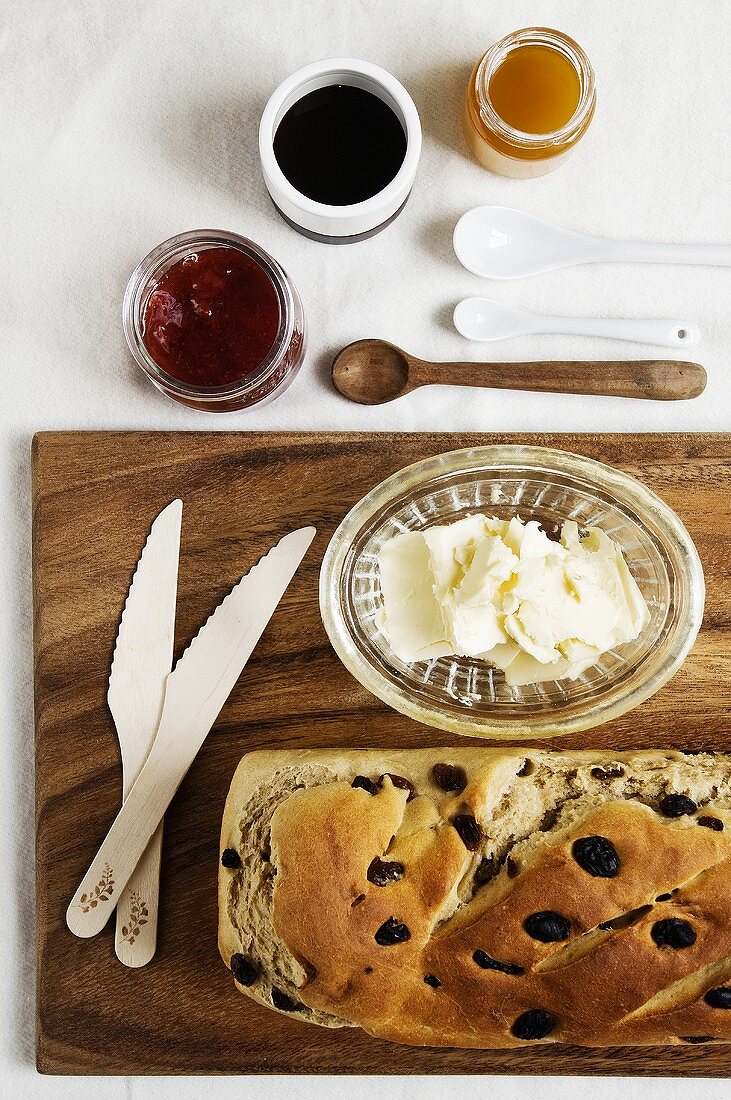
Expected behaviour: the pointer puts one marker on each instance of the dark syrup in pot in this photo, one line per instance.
(340, 145)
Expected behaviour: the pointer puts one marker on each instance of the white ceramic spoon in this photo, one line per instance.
(483, 319)
(501, 243)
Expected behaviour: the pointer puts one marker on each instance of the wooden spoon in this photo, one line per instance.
(372, 372)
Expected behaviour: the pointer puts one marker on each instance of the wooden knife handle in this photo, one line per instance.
(135, 938)
(652, 379)
(112, 866)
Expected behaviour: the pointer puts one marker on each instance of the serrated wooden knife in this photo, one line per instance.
(143, 658)
(194, 694)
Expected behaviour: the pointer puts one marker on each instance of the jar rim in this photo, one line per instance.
(153, 266)
(552, 39)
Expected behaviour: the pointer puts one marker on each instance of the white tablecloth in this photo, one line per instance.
(124, 122)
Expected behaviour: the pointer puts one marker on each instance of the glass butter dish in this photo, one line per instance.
(466, 695)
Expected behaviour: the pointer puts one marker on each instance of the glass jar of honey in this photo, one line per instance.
(530, 99)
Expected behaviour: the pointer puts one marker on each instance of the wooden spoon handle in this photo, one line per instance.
(653, 379)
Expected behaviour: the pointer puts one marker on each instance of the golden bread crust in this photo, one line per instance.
(614, 985)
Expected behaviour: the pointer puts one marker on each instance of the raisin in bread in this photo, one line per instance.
(483, 898)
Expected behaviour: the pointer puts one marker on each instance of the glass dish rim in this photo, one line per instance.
(173, 249)
(621, 485)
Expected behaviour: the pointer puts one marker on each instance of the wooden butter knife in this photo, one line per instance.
(194, 695)
(143, 658)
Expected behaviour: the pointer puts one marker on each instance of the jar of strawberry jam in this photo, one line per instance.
(214, 321)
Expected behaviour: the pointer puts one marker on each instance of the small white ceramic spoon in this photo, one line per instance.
(483, 319)
(501, 243)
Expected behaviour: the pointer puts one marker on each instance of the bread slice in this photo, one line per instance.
(570, 897)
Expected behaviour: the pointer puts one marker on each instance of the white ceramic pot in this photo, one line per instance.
(339, 224)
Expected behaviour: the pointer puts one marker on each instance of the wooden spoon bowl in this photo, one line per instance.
(371, 372)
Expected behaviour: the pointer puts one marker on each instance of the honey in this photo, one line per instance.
(530, 99)
(536, 89)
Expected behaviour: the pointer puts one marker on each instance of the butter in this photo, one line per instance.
(502, 591)
(414, 624)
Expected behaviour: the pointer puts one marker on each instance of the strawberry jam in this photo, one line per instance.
(212, 318)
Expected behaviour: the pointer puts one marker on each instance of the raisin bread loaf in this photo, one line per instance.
(483, 898)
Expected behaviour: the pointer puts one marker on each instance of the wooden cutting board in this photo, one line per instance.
(94, 498)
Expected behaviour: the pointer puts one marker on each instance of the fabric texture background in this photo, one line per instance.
(123, 123)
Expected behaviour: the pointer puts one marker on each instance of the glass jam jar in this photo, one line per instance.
(190, 316)
(529, 100)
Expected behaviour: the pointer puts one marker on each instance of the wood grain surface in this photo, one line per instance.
(94, 498)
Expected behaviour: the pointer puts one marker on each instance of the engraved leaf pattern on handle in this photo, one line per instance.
(101, 892)
(138, 916)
